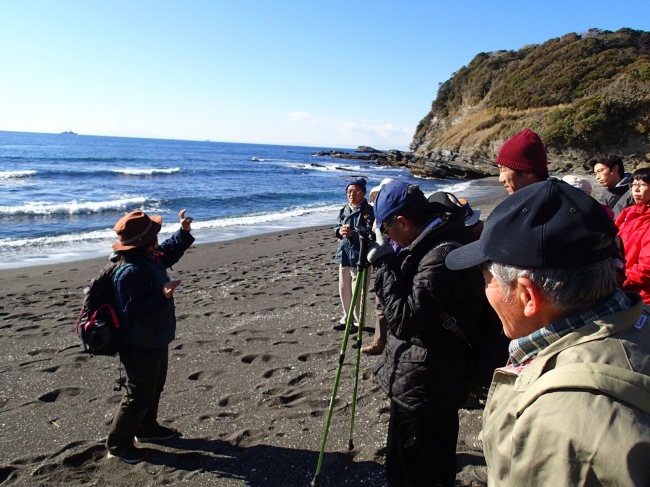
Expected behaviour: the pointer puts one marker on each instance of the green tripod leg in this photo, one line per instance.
(361, 277)
(362, 312)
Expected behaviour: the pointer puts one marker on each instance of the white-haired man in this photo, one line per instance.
(572, 407)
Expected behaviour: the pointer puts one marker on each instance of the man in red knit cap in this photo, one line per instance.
(522, 161)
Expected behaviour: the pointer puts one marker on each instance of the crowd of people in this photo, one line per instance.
(569, 402)
(544, 303)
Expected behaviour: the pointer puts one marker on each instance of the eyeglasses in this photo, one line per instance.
(641, 186)
(354, 191)
(384, 229)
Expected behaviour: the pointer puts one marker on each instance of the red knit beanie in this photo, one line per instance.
(524, 152)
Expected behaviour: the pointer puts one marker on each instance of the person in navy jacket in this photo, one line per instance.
(144, 300)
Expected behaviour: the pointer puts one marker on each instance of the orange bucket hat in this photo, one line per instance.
(135, 229)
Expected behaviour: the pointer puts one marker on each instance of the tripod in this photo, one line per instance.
(358, 292)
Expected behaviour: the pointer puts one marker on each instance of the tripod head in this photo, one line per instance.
(364, 247)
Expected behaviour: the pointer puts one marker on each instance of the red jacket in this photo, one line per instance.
(634, 228)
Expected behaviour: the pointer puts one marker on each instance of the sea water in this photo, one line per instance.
(61, 194)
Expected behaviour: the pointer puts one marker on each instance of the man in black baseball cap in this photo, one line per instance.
(572, 407)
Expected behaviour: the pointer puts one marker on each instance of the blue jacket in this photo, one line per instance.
(148, 316)
(347, 252)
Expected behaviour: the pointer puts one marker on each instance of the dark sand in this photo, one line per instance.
(250, 376)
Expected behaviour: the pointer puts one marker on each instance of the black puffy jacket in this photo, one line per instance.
(424, 367)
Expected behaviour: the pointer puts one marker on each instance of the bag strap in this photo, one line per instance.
(627, 386)
(449, 322)
(111, 310)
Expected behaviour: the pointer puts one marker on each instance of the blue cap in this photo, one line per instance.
(357, 182)
(392, 198)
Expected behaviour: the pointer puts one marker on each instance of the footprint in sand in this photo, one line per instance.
(205, 375)
(271, 372)
(248, 359)
(318, 355)
(297, 380)
(62, 392)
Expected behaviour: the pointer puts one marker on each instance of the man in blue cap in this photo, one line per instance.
(572, 406)
(432, 314)
(357, 212)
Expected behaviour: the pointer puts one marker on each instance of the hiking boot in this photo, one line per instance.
(163, 434)
(373, 349)
(473, 442)
(131, 455)
(480, 474)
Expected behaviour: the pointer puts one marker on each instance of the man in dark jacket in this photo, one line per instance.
(431, 313)
(145, 304)
(611, 174)
(357, 212)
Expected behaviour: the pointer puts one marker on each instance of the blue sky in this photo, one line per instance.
(319, 73)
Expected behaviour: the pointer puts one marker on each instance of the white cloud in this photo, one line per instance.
(357, 133)
(299, 115)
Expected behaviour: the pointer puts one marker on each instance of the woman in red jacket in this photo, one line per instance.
(634, 228)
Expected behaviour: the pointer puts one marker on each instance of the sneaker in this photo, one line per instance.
(480, 474)
(131, 455)
(473, 442)
(373, 349)
(163, 434)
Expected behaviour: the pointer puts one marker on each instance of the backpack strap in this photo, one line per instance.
(629, 387)
(116, 276)
(449, 322)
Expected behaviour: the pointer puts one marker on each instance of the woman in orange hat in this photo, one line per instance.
(144, 297)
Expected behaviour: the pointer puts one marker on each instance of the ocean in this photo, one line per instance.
(61, 194)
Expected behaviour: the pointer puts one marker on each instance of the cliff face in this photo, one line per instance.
(582, 94)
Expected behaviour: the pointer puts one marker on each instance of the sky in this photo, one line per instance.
(310, 72)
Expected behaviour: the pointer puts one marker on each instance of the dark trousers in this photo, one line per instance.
(136, 415)
(421, 450)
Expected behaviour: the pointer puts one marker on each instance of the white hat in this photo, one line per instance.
(578, 182)
(375, 191)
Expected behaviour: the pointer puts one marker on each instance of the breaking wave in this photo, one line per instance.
(71, 207)
(16, 174)
(146, 172)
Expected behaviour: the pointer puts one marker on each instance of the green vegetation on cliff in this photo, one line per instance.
(584, 91)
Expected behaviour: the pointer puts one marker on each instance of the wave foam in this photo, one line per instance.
(146, 172)
(106, 236)
(71, 207)
(261, 218)
(16, 174)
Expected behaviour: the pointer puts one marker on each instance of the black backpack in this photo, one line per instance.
(98, 325)
(485, 337)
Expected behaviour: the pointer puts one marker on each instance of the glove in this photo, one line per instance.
(380, 248)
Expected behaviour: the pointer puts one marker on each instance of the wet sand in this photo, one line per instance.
(250, 376)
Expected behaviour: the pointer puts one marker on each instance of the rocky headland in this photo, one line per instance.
(582, 93)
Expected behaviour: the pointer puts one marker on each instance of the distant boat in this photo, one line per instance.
(69, 132)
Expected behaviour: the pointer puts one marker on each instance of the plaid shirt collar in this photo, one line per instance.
(528, 347)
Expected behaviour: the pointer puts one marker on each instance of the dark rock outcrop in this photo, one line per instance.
(438, 164)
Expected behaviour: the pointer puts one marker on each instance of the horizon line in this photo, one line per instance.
(196, 140)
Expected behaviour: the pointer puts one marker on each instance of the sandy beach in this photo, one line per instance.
(250, 376)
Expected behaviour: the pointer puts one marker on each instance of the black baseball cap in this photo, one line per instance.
(546, 225)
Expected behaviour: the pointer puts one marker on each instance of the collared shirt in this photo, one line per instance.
(526, 348)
